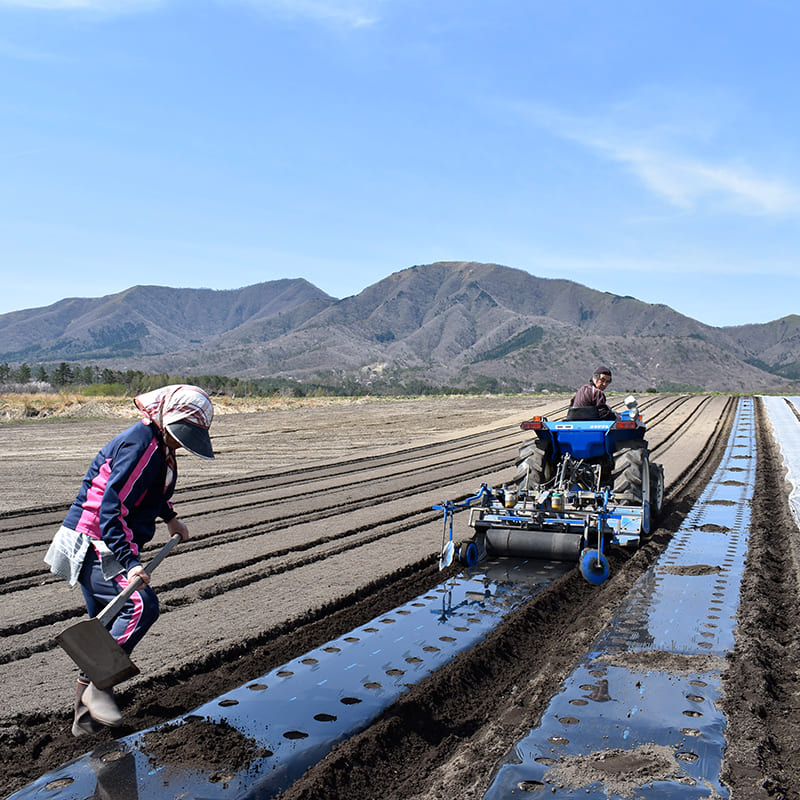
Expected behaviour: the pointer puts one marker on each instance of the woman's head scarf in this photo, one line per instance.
(183, 411)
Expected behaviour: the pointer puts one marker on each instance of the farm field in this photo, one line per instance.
(311, 521)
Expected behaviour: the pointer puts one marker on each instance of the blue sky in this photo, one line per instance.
(641, 148)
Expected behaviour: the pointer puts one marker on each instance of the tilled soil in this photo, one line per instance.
(761, 685)
(444, 737)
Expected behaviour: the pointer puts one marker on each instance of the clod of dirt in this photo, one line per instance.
(664, 661)
(199, 742)
(711, 528)
(692, 569)
(620, 771)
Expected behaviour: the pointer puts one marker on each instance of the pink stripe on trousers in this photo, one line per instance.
(136, 614)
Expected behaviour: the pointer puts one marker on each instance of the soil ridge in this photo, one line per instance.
(761, 684)
(444, 738)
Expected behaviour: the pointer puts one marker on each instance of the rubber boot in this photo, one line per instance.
(83, 724)
(102, 706)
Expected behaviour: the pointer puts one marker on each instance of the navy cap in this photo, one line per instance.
(193, 437)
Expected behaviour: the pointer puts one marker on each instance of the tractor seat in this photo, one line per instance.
(583, 413)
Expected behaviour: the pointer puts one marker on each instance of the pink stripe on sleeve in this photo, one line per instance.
(140, 467)
(89, 523)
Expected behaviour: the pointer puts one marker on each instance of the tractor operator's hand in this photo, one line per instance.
(175, 525)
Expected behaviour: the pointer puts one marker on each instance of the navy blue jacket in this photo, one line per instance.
(125, 490)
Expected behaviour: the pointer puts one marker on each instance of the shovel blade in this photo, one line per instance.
(97, 653)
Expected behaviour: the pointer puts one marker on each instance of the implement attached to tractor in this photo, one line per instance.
(581, 486)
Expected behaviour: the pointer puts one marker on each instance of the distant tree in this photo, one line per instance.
(23, 373)
(41, 374)
(86, 375)
(63, 375)
(483, 384)
(5, 371)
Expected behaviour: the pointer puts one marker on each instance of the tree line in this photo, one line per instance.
(94, 380)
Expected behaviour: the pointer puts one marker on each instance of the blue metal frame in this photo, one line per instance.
(587, 439)
(584, 440)
(451, 506)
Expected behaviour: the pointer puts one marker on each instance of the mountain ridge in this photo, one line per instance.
(455, 323)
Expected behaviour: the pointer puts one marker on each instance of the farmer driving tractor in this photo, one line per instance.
(589, 401)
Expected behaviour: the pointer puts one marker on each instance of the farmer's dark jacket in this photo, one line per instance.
(125, 490)
(588, 396)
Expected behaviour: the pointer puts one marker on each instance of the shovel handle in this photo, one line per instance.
(115, 606)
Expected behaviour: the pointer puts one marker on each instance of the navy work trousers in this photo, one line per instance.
(137, 615)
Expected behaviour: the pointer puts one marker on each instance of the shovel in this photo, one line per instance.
(89, 644)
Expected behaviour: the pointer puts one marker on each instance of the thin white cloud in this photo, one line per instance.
(348, 13)
(655, 154)
(693, 262)
(351, 13)
(106, 6)
(685, 181)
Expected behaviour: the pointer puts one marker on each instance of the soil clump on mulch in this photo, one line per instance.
(620, 771)
(201, 742)
(691, 569)
(664, 661)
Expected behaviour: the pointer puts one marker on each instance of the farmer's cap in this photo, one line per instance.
(184, 411)
(601, 370)
(193, 437)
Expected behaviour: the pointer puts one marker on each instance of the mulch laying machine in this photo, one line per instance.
(581, 486)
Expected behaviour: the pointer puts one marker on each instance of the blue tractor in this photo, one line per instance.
(581, 486)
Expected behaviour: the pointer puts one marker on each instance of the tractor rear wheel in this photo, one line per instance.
(534, 465)
(631, 473)
(656, 491)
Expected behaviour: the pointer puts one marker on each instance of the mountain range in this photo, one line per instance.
(456, 324)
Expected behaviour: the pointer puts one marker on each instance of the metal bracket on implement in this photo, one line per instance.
(450, 507)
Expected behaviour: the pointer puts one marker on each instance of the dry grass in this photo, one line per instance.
(16, 407)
